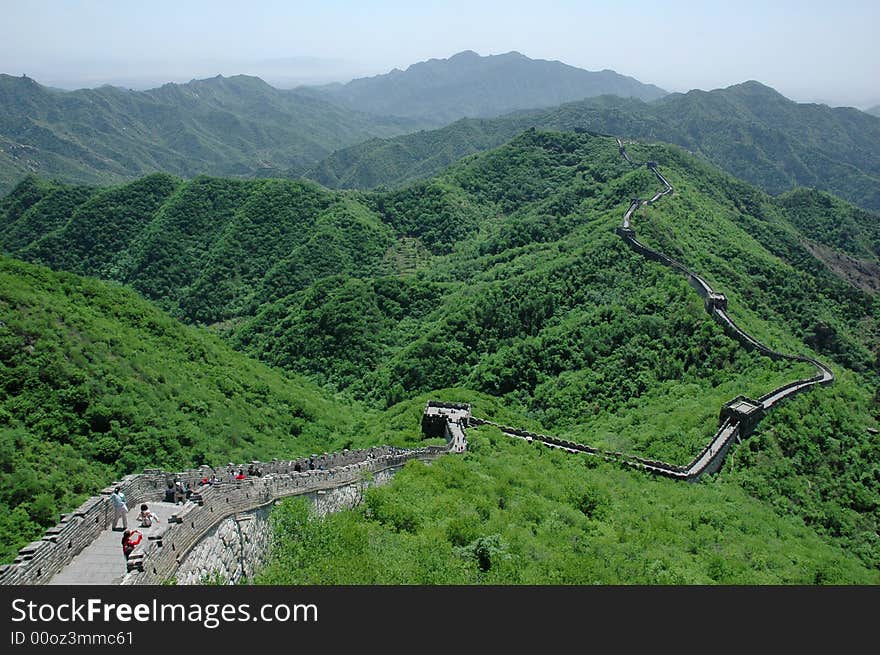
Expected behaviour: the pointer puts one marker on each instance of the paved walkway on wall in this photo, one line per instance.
(102, 562)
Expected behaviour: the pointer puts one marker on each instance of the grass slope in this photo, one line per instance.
(511, 513)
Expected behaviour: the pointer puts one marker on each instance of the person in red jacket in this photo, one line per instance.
(130, 539)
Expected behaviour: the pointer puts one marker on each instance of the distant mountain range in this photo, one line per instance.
(337, 135)
(231, 126)
(468, 85)
(748, 129)
(240, 126)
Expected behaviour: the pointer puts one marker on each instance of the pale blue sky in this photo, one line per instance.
(810, 51)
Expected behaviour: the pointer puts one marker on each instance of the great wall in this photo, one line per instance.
(208, 525)
(738, 417)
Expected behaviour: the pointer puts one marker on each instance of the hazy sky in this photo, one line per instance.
(810, 51)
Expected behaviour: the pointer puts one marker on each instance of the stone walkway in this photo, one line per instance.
(102, 562)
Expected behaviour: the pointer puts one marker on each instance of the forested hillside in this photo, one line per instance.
(235, 126)
(748, 130)
(95, 382)
(503, 277)
(510, 513)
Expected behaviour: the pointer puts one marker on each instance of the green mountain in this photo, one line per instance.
(95, 382)
(235, 126)
(748, 130)
(503, 279)
(466, 84)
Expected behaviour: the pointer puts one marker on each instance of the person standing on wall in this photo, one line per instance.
(120, 509)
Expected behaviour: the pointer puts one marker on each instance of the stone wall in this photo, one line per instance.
(159, 559)
(238, 546)
(40, 560)
(37, 562)
(731, 428)
(233, 550)
(711, 457)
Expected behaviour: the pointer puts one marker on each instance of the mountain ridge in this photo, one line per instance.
(470, 85)
(229, 126)
(749, 129)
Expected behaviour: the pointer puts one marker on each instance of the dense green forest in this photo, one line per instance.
(749, 130)
(234, 126)
(503, 277)
(466, 84)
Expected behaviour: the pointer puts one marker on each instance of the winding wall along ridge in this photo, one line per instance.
(739, 416)
(155, 561)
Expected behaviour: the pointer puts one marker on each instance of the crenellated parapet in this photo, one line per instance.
(155, 559)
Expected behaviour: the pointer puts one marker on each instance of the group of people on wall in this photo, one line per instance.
(177, 491)
(146, 518)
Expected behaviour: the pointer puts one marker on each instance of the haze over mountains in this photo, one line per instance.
(468, 85)
(748, 129)
(241, 126)
(368, 132)
(224, 126)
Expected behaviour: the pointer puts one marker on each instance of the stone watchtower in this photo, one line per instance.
(745, 411)
(438, 415)
(716, 301)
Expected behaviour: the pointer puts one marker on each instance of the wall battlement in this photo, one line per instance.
(155, 561)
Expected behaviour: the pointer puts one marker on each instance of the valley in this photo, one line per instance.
(486, 319)
(462, 321)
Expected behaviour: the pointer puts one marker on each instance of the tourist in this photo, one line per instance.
(120, 509)
(130, 540)
(147, 517)
(179, 492)
(240, 475)
(169, 492)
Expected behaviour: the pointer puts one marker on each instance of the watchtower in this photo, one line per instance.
(438, 414)
(716, 301)
(745, 411)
